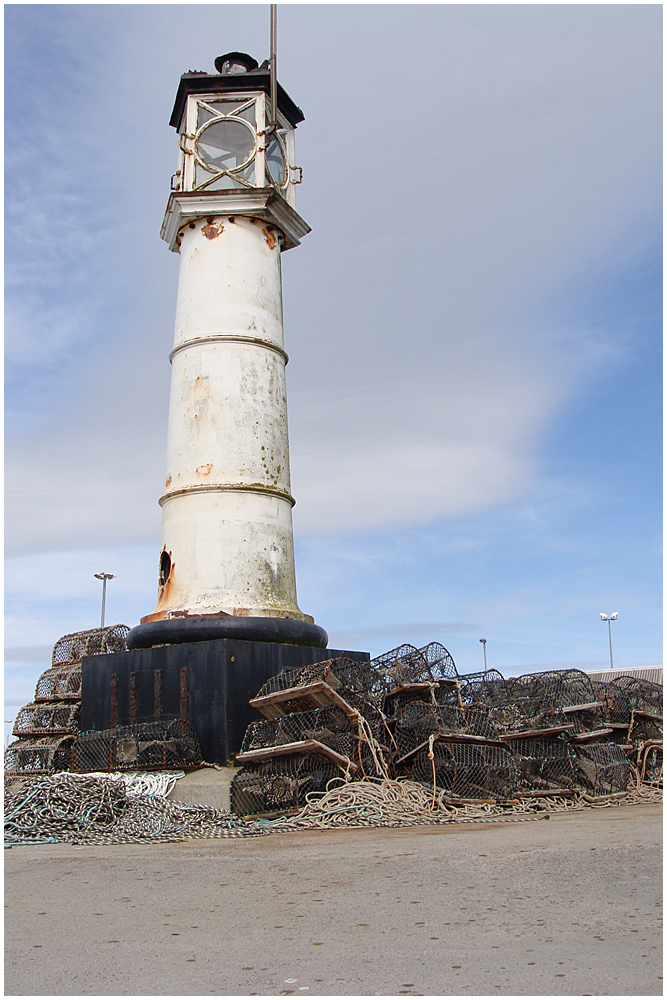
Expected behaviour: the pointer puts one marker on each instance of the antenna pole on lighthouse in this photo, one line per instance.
(273, 61)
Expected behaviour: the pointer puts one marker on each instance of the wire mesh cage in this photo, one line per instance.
(350, 684)
(544, 764)
(649, 762)
(71, 648)
(641, 694)
(529, 688)
(326, 725)
(280, 786)
(404, 665)
(39, 755)
(153, 746)
(48, 718)
(602, 768)
(418, 720)
(568, 687)
(415, 722)
(440, 661)
(615, 700)
(485, 687)
(529, 715)
(644, 728)
(59, 684)
(466, 771)
(589, 723)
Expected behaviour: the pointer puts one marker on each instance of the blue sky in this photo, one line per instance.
(474, 324)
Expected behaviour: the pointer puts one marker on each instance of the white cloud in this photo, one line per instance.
(463, 166)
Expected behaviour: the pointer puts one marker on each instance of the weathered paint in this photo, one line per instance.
(227, 506)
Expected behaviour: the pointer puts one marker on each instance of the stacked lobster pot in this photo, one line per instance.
(48, 727)
(475, 738)
(320, 722)
(437, 738)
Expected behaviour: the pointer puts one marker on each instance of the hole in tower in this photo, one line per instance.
(165, 568)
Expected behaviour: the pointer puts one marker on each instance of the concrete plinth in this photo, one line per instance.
(207, 786)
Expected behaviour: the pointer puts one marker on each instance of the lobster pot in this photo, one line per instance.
(617, 708)
(59, 684)
(602, 768)
(137, 748)
(48, 718)
(644, 729)
(330, 726)
(642, 695)
(71, 648)
(416, 720)
(568, 687)
(468, 771)
(471, 720)
(530, 713)
(354, 681)
(543, 764)
(38, 755)
(586, 720)
(486, 687)
(279, 787)
(649, 763)
(440, 661)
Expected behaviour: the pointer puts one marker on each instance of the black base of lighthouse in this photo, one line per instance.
(208, 684)
(207, 627)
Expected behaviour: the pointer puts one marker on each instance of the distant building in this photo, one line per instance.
(653, 674)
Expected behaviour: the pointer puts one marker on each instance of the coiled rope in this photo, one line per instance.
(402, 803)
(110, 809)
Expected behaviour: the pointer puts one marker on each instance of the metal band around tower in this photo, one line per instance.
(226, 338)
(271, 491)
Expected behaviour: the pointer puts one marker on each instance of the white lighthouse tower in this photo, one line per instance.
(227, 556)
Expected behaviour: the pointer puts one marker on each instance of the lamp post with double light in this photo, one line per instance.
(609, 619)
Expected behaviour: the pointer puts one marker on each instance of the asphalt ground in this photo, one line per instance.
(565, 907)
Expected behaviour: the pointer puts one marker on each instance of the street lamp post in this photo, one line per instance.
(483, 641)
(104, 577)
(609, 619)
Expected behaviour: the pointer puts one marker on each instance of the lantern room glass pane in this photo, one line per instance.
(275, 163)
(225, 145)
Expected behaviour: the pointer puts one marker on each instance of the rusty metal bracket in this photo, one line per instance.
(184, 694)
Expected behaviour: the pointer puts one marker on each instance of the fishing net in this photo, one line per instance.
(141, 748)
(279, 787)
(544, 764)
(48, 718)
(468, 771)
(602, 768)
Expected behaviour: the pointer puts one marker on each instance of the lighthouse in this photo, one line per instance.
(226, 617)
(226, 562)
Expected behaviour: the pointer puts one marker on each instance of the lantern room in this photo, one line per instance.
(230, 137)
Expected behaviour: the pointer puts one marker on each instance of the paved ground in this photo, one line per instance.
(560, 908)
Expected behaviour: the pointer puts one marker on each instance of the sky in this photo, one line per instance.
(473, 324)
